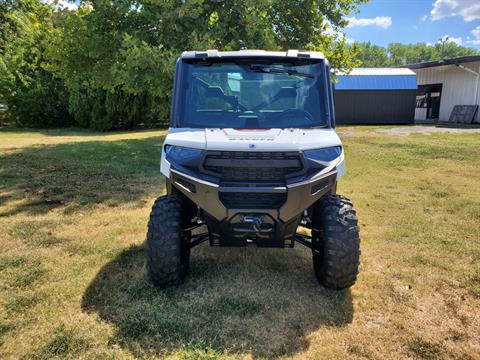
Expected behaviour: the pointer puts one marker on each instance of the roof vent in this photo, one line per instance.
(304, 54)
(207, 54)
(300, 54)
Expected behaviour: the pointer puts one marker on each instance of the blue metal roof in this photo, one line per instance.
(376, 82)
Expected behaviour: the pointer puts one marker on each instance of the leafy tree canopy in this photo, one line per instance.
(33, 96)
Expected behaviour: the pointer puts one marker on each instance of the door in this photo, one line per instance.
(428, 98)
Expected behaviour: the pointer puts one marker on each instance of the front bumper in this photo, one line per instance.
(227, 226)
(299, 196)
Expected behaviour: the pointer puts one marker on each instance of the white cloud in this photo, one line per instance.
(468, 9)
(381, 21)
(456, 40)
(452, 40)
(424, 18)
(476, 35)
(476, 32)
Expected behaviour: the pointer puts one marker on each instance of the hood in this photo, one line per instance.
(253, 140)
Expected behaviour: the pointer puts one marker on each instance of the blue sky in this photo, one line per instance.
(409, 21)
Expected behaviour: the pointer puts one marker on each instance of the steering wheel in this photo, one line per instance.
(294, 112)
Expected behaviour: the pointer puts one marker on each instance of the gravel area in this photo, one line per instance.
(424, 130)
(403, 131)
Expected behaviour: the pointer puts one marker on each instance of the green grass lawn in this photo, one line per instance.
(73, 212)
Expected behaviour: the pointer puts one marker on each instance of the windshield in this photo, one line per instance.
(252, 95)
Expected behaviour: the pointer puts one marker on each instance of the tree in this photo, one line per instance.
(451, 50)
(397, 54)
(30, 92)
(372, 55)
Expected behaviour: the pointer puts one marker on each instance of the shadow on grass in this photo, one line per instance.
(235, 301)
(72, 175)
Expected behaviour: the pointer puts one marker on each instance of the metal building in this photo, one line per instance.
(444, 84)
(376, 96)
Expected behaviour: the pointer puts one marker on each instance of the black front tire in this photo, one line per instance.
(167, 245)
(336, 242)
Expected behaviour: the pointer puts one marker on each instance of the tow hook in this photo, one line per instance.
(255, 220)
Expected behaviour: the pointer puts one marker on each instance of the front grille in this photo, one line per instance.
(251, 174)
(253, 200)
(252, 166)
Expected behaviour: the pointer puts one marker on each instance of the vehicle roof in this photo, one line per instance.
(215, 54)
(454, 61)
(378, 71)
(377, 79)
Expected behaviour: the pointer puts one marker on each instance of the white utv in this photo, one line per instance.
(252, 154)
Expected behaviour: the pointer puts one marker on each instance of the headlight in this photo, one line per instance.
(325, 154)
(180, 154)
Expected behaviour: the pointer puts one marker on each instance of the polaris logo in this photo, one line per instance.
(252, 146)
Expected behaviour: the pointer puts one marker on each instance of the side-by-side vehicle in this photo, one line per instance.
(253, 157)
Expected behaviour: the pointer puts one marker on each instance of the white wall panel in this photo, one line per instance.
(458, 85)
